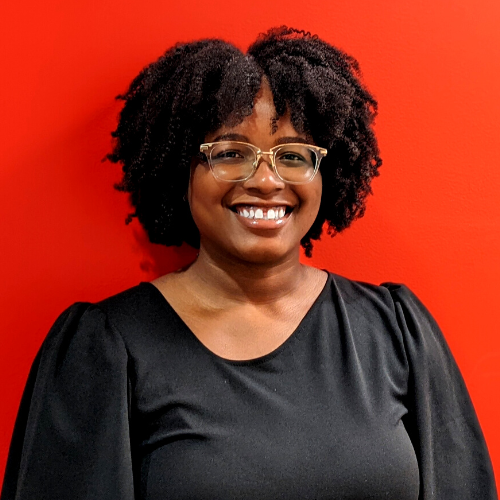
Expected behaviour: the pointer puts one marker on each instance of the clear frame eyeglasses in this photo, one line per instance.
(234, 161)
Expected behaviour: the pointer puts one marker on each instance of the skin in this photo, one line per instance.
(247, 291)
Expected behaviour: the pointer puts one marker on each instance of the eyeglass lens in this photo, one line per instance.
(235, 161)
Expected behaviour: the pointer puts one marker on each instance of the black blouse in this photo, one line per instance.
(362, 401)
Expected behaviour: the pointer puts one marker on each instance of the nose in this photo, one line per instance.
(264, 178)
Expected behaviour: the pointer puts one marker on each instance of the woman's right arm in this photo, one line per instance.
(71, 440)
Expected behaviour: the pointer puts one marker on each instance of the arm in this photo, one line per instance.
(441, 422)
(71, 439)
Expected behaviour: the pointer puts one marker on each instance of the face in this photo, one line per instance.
(220, 209)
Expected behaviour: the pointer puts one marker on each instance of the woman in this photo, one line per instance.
(248, 375)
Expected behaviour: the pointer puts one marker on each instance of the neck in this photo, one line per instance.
(226, 278)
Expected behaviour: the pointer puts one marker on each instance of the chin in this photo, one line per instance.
(264, 254)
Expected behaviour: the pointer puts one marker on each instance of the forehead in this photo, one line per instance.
(261, 126)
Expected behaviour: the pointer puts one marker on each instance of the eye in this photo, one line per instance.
(295, 156)
(229, 154)
(290, 156)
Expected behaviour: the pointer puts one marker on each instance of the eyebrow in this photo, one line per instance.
(287, 140)
(231, 137)
(244, 138)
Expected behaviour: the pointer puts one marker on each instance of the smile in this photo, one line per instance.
(265, 217)
(252, 212)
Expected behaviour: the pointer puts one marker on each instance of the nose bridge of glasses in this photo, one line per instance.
(260, 156)
(270, 161)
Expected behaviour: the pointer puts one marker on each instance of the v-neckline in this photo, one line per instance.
(166, 306)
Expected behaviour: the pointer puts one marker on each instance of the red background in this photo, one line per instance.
(433, 223)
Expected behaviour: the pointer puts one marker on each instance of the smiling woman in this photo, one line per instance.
(247, 374)
(234, 217)
(199, 93)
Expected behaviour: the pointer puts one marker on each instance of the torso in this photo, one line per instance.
(239, 330)
(319, 417)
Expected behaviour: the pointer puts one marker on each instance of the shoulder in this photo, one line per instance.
(101, 322)
(388, 307)
(363, 294)
(131, 304)
(387, 295)
(80, 337)
(395, 307)
(131, 299)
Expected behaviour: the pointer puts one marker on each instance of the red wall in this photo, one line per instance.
(434, 222)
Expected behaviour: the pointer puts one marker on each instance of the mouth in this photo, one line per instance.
(259, 213)
(262, 217)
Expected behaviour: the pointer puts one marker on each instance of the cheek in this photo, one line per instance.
(201, 188)
(312, 203)
(205, 196)
(311, 196)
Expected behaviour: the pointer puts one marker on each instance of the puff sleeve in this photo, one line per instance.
(441, 422)
(71, 440)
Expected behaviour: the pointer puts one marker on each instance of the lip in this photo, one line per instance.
(262, 223)
(261, 204)
(265, 205)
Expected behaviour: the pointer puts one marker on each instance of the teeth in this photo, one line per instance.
(275, 213)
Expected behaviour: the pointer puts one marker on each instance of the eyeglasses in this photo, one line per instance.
(234, 161)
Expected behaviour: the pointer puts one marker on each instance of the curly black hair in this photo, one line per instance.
(195, 88)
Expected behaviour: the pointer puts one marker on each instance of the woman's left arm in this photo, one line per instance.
(452, 455)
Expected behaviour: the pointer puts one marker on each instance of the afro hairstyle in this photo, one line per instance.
(195, 88)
